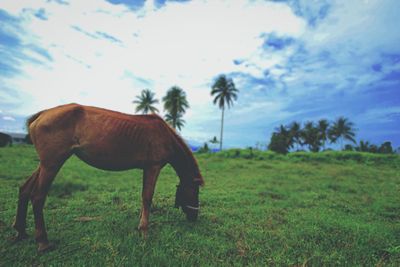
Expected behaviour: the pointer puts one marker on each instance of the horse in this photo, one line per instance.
(107, 140)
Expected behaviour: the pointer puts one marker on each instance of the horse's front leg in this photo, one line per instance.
(150, 175)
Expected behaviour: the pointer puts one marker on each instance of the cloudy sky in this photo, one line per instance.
(291, 60)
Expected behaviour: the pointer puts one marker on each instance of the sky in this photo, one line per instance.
(295, 60)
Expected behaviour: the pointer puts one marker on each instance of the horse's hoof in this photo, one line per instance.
(19, 237)
(22, 236)
(142, 228)
(142, 231)
(45, 247)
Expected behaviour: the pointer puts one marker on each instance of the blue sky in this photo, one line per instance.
(291, 60)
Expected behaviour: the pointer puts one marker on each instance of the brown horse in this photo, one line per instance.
(107, 140)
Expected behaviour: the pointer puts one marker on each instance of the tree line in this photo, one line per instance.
(314, 136)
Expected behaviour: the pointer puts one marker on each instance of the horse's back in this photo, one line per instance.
(114, 140)
(102, 138)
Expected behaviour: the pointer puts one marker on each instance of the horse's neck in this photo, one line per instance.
(185, 166)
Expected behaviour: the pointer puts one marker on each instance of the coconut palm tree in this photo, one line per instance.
(225, 93)
(363, 146)
(145, 102)
(342, 129)
(323, 126)
(281, 140)
(176, 122)
(175, 103)
(311, 136)
(295, 132)
(214, 140)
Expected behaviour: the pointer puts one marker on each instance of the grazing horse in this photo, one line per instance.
(107, 140)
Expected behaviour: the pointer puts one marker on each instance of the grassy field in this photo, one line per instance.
(258, 208)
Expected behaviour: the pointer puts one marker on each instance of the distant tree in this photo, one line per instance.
(214, 140)
(5, 140)
(386, 148)
(281, 140)
(363, 146)
(342, 129)
(348, 147)
(175, 103)
(225, 94)
(296, 133)
(278, 144)
(311, 136)
(373, 148)
(204, 149)
(145, 102)
(323, 126)
(176, 122)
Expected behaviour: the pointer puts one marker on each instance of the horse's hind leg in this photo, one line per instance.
(23, 199)
(38, 198)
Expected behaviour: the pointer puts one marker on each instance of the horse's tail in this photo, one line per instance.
(32, 119)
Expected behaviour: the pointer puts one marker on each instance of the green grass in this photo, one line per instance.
(258, 208)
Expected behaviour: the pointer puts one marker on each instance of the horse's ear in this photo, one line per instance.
(199, 181)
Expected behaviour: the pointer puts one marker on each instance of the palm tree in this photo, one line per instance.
(145, 102)
(363, 146)
(323, 126)
(311, 136)
(342, 129)
(214, 140)
(295, 131)
(281, 140)
(175, 104)
(176, 122)
(285, 132)
(225, 93)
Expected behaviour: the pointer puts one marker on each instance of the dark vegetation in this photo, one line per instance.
(259, 208)
(5, 140)
(315, 136)
(175, 105)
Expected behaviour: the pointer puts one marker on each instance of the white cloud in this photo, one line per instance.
(8, 118)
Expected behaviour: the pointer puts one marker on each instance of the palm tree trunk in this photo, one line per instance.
(222, 128)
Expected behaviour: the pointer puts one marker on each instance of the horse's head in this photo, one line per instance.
(187, 197)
